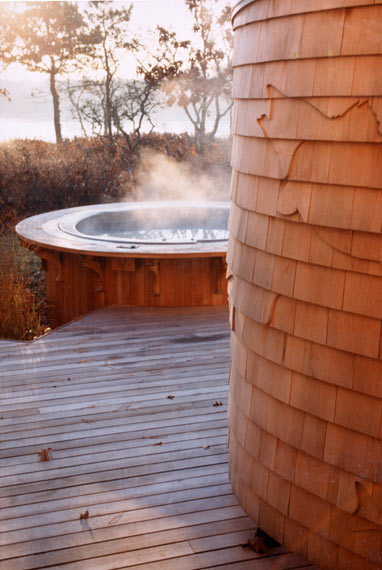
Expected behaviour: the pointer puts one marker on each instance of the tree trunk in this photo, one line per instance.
(56, 104)
(200, 141)
(203, 126)
(201, 135)
(108, 110)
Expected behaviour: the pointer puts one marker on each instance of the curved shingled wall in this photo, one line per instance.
(305, 276)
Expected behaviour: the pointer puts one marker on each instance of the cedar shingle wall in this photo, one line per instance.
(305, 255)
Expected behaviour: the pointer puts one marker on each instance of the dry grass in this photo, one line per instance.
(22, 305)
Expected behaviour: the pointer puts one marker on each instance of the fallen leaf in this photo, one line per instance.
(45, 454)
(216, 403)
(84, 515)
(170, 397)
(261, 542)
(158, 443)
(258, 545)
(206, 446)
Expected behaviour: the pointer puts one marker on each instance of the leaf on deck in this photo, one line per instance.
(261, 542)
(45, 454)
(257, 544)
(216, 403)
(85, 515)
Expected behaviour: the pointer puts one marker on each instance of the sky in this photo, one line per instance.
(30, 116)
(146, 14)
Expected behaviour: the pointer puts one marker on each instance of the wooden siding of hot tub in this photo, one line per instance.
(77, 284)
(305, 266)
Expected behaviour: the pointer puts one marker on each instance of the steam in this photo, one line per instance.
(161, 177)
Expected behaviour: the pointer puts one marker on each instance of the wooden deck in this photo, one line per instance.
(125, 399)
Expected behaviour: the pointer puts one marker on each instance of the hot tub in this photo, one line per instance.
(139, 254)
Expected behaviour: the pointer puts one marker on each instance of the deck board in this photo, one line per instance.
(151, 471)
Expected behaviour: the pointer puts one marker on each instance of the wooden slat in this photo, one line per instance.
(115, 495)
(140, 541)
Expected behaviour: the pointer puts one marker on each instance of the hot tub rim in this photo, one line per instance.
(42, 231)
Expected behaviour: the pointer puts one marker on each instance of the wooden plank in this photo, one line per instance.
(133, 394)
(127, 493)
(47, 436)
(99, 358)
(214, 443)
(135, 364)
(108, 419)
(117, 430)
(213, 560)
(177, 344)
(60, 388)
(100, 522)
(128, 388)
(74, 540)
(284, 562)
(116, 510)
(131, 543)
(130, 559)
(127, 442)
(111, 474)
(100, 376)
(58, 342)
(114, 485)
(106, 367)
(50, 475)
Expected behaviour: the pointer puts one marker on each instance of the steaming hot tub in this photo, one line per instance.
(141, 253)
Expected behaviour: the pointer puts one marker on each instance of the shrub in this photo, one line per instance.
(37, 176)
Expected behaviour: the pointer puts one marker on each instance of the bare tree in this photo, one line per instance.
(131, 106)
(118, 109)
(110, 24)
(202, 86)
